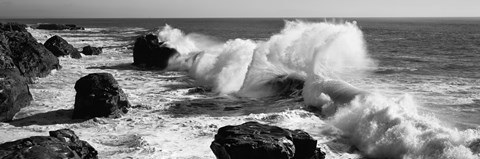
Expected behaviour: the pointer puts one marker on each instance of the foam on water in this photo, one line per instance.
(387, 128)
(325, 56)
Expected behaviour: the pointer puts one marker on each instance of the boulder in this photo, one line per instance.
(30, 57)
(60, 47)
(148, 52)
(48, 26)
(61, 143)
(258, 141)
(14, 93)
(285, 86)
(88, 50)
(99, 95)
(10, 26)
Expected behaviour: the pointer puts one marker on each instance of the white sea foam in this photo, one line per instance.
(386, 128)
(324, 55)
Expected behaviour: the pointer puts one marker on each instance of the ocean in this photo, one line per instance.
(422, 76)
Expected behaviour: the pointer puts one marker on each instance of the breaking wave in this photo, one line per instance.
(317, 59)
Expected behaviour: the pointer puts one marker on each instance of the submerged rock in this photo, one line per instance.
(60, 47)
(61, 143)
(99, 95)
(59, 27)
(258, 141)
(88, 50)
(148, 52)
(30, 57)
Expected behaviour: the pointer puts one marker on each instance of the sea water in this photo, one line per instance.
(419, 77)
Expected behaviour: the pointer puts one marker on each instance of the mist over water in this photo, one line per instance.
(325, 56)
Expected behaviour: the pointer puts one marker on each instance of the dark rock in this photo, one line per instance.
(148, 52)
(475, 146)
(286, 86)
(6, 61)
(13, 27)
(88, 50)
(60, 47)
(29, 56)
(99, 95)
(258, 141)
(59, 27)
(14, 93)
(61, 143)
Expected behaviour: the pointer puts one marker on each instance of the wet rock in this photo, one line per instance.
(60, 47)
(258, 141)
(475, 146)
(59, 27)
(88, 50)
(286, 86)
(61, 143)
(30, 57)
(148, 52)
(14, 93)
(10, 26)
(99, 95)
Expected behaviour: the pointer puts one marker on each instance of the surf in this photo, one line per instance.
(316, 60)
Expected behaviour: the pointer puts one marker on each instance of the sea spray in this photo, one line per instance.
(219, 65)
(298, 51)
(302, 50)
(325, 56)
(384, 128)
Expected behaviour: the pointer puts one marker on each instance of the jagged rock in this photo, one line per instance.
(10, 26)
(258, 141)
(29, 56)
(60, 47)
(99, 95)
(61, 143)
(59, 27)
(148, 52)
(88, 50)
(286, 86)
(14, 93)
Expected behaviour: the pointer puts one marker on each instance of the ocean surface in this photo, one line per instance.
(426, 70)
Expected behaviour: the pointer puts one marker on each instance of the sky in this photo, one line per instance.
(236, 8)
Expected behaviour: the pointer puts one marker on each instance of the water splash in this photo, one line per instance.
(324, 56)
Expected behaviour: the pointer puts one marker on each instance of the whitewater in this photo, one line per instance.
(314, 76)
(323, 55)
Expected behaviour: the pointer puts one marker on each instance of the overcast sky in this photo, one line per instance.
(236, 8)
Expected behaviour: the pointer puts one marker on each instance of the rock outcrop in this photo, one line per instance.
(22, 59)
(59, 27)
(88, 50)
(99, 95)
(13, 27)
(61, 143)
(60, 47)
(149, 52)
(14, 93)
(258, 141)
(30, 57)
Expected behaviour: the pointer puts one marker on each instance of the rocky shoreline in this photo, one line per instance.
(99, 95)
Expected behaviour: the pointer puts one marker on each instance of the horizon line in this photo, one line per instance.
(236, 17)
